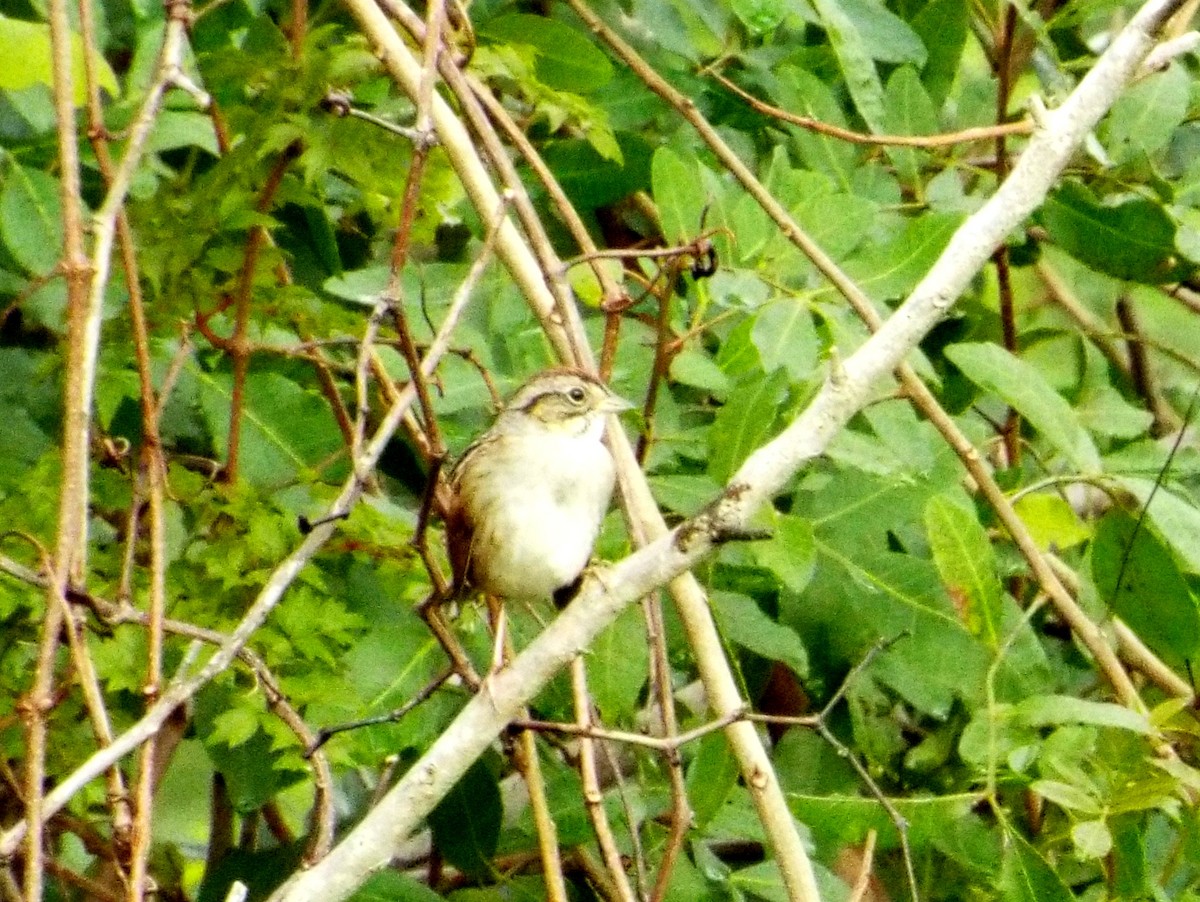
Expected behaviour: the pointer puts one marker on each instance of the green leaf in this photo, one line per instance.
(697, 369)
(174, 129)
(743, 623)
(1145, 116)
(1092, 839)
(942, 27)
(1131, 238)
(791, 552)
(786, 338)
(711, 776)
(837, 820)
(466, 823)
(967, 566)
(1055, 710)
(592, 180)
(1130, 879)
(838, 222)
(253, 770)
(1153, 597)
(1027, 876)
(31, 218)
(695, 32)
(25, 60)
(1022, 387)
(678, 193)
(908, 111)
(617, 665)
(760, 16)
(804, 94)
(854, 59)
(235, 726)
(261, 871)
(893, 269)
(1051, 521)
(393, 886)
(285, 428)
(1067, 796)
(886, 36)
(1176, 520)
(683, 493)
(566, 59)
(744, 423)
(859, 596)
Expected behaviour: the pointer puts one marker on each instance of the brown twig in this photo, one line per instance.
(1011, 431)
(488, 141)
(658, 743)
(664, 349)
(525, 758)
(238, 345)
(152, 465)
(661, 686)
(593, 796)
(220, 824)
(1140, 372)
(71, 548)
(434, 23)
(863, 884)
(965, 136)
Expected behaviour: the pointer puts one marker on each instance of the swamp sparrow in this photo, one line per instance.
(528, 496)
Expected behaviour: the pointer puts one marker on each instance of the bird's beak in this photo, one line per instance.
(614, 404)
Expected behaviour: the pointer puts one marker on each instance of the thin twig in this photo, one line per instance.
(525, 758)
(664, 694)
(863, 883)
(238, 345)
(422, 695)
(659, 743)
(83, 321)
(1140, 371)
(965, 136)
(593, 796)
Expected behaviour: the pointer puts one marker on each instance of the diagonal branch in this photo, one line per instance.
(370, 844)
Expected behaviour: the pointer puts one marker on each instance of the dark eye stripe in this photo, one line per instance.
(537, 399)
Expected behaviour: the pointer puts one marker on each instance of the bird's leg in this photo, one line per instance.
(431, 612)
(500, 642)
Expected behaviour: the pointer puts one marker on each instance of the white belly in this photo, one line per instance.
(534, 534)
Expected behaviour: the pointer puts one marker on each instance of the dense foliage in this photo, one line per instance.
(959, 738)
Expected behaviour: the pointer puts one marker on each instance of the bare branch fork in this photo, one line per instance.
(369, 846)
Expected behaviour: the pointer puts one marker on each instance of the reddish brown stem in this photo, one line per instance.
(239, 344)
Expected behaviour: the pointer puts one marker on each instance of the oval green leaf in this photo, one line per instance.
(1022, 387)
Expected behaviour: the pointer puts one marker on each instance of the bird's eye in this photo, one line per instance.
(577, 395)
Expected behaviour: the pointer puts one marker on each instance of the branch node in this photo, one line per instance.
(718, 522)
(837, 371)
(1038, 112)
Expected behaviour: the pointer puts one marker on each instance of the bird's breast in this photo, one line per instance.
(536, 512)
